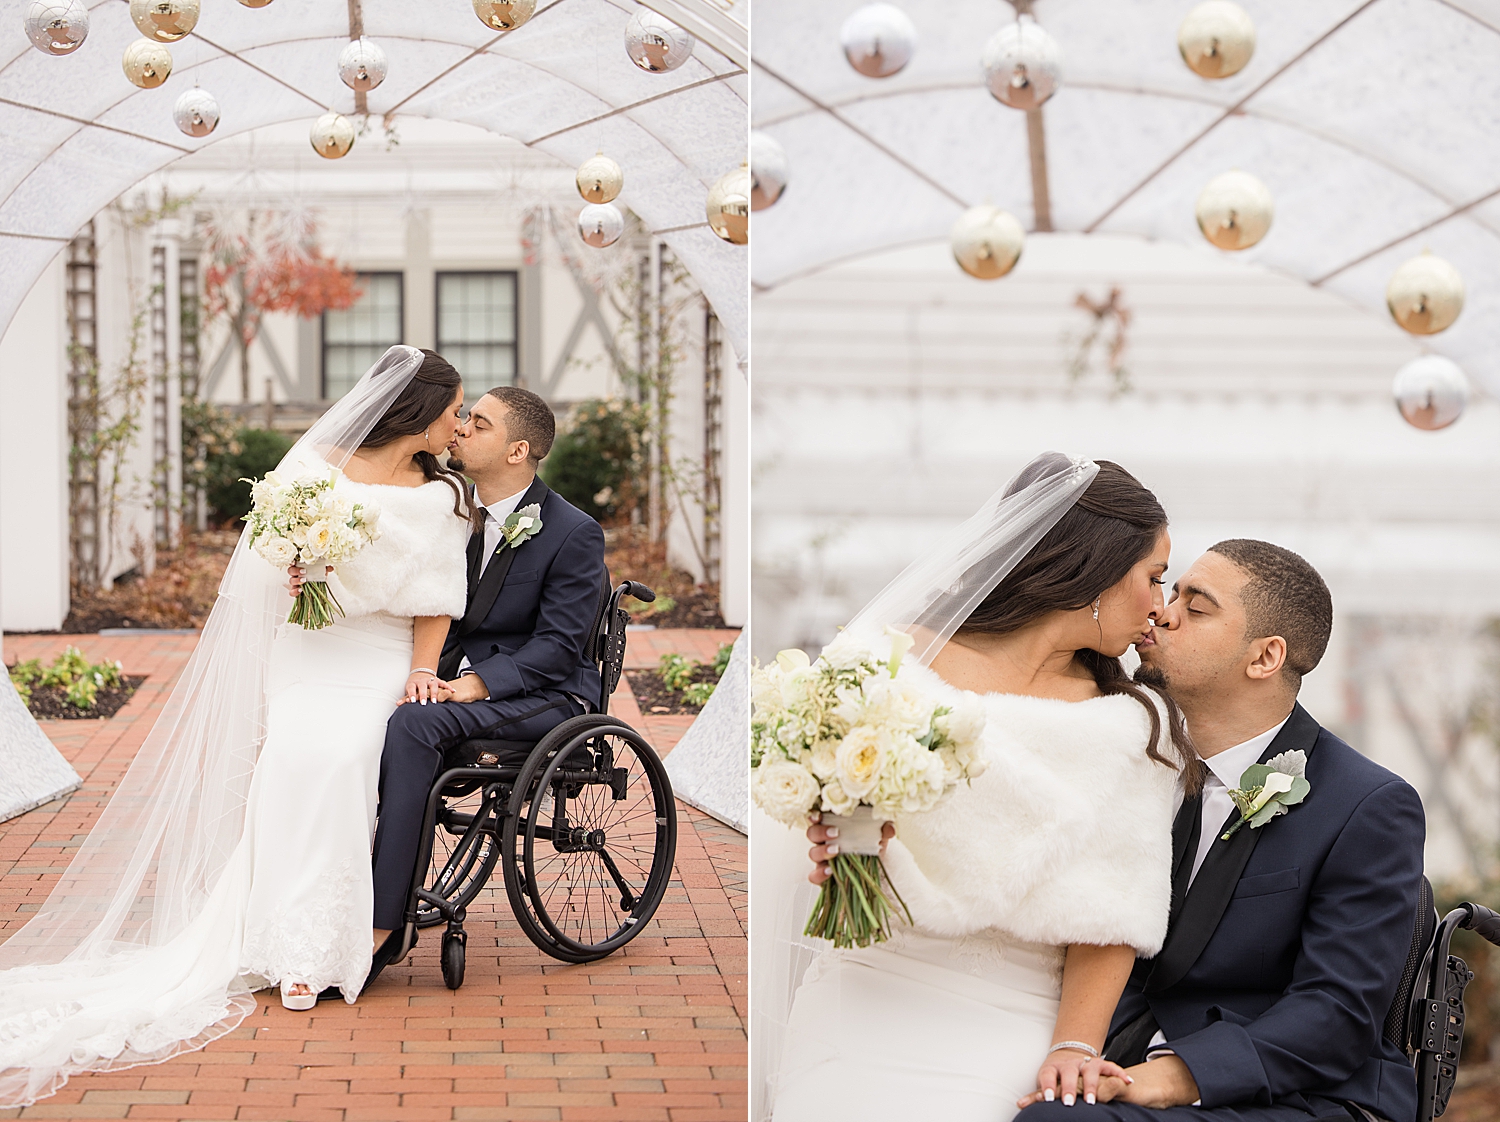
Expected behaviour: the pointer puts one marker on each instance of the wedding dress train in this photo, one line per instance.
(294, 900)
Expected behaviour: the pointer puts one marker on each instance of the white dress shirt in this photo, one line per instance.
(1224, 771)
(494, 515)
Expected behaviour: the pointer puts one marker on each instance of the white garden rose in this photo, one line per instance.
(824, 758)
(837, 800)
(784, 790)
(278, 551)
(319, 539)
(860, 759)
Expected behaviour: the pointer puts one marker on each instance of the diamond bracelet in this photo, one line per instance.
(1076, 1045)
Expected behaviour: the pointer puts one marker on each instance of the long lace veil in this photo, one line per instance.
(160, 845)
(929, 600)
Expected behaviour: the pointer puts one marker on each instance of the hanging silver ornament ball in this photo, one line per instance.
(1235, 210)
(332, 135)
(768, 170)
(147, 64)
(1022, 65)
(1431, 392)
(57, 27)
(728, 206)
(1425, 295)
(196, 112)
(987, 241)
(878, 40)
(1216, 39)
(362, 65)
(600, 224)
(165, 21)
(600, 179)
(655, 43)
(503, 15)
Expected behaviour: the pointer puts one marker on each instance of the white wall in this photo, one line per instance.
(34, 555)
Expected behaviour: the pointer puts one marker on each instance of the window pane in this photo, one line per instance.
(476, 325)
(354, 338)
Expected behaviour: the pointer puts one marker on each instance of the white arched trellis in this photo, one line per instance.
(1370, 121)
(75, 134)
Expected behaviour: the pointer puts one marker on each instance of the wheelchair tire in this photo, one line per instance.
(588, 891)
(453, 959)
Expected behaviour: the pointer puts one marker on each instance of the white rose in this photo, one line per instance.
(784, 790)
(318, 539)
(277, 550)
(837, 800)
(824, 758)
(965, 724)
(860, 760)
(846, 653)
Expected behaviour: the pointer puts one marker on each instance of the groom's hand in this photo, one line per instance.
(1162, 1082)
(468, 687)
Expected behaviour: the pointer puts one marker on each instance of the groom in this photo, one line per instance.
(517, 661)
(1286, 942)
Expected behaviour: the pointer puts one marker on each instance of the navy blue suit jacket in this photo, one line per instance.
(532, 637)
(1288, 996)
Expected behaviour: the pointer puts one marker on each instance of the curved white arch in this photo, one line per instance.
(74, 134)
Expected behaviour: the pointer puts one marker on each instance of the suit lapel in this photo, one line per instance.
(488, 587)
(1198, 917)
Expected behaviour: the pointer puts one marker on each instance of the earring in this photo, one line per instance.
(1096, 608)
(427, 441)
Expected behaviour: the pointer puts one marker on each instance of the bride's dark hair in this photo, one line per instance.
(426, 398)
(1110, 529)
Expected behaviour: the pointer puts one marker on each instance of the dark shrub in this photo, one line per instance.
(597, 462)
(260, 450)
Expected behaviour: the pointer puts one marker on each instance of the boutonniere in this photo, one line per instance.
(522, 526)
(1269, 789)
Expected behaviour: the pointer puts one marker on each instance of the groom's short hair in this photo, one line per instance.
(1283, 595)
(528, 417)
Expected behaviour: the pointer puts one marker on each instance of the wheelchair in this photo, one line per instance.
(582, 824)
(1426, 1019)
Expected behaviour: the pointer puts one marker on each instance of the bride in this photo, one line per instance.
(1033, 888)
(235, 853)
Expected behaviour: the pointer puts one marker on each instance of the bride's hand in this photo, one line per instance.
(423, 686)
(825, 846)
(298, 577)
(1068, 1073)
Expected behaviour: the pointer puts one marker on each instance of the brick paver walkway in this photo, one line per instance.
(655, 1031)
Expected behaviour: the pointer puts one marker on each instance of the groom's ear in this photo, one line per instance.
(1267, 657)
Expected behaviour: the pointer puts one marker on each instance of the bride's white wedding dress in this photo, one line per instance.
(1066, 838)
(295, 897)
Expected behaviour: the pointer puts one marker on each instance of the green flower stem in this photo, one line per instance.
(854, 908)
(315, 606)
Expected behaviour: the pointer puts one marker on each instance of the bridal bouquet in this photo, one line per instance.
(850, 731)
(304, 521)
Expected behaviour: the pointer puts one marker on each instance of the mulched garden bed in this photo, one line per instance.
(179, 593)
(631, 555)
(655, 696)
(51, 703)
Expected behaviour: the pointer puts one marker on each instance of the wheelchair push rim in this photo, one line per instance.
(586, 871)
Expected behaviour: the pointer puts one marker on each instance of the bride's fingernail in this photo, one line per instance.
(832, 831)
(1047, 1094)
(1129, 1079)
(1089, 1098)
(833, 850)
(1068, 1099)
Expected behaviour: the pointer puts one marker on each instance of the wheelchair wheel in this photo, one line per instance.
(453, 959)
(588, 859)
(464, 852)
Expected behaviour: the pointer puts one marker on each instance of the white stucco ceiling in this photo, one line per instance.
(75, 134)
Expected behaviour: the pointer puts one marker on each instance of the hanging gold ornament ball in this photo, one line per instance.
(147, 64)
(1425, 295)
(362, 65)
(165, 21)
(600, 224)
(600, 179)
(768, 170)
(196, 112)
(1216, 39)
(1235, 210)
(728, 206)
(332, 136)
(1431, 392)
(878, 40)
(987, 241)
(655, 43)
(1022, 65)
(504, 15)
(57, 27)
(255, 3)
